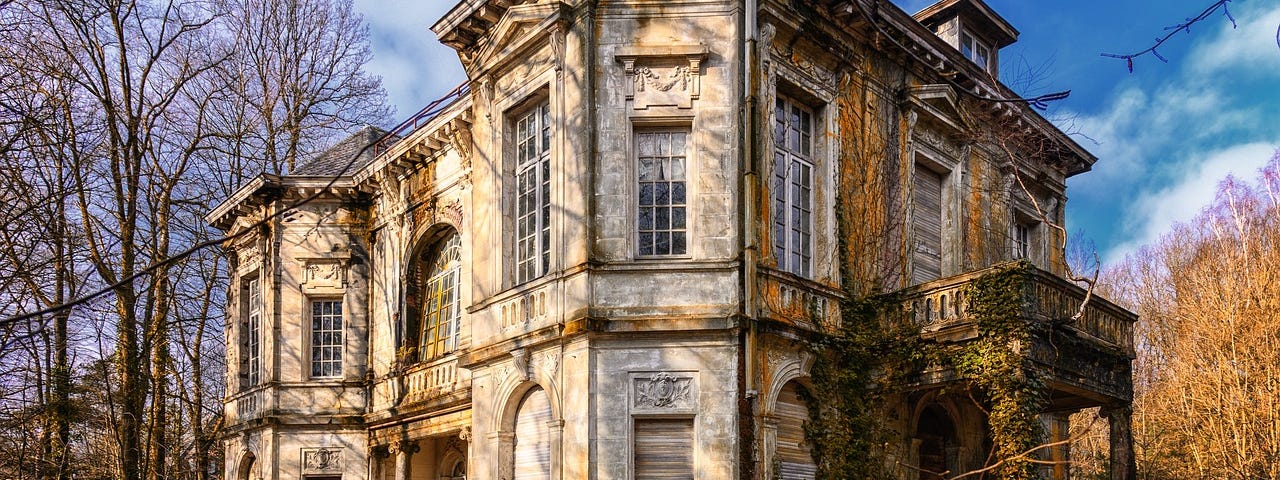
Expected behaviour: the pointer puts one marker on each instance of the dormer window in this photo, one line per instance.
(975, 50)
(971, 27)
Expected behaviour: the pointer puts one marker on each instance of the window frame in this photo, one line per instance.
(313, 341)
(783, 195)
(1021, 240)
(252, 324)
(976, 50)
(639, 182)
(944, 169)
(534, 261)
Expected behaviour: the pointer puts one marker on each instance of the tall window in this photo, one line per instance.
(1021, 240)
(793, 188)
(442, 319)
(662, 204)
(253, 325)
(927, 227)
(533, 192)
(326, 338)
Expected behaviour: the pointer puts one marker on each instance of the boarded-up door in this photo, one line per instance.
(928, 225)
(794, 460)
(532, 442)
(664, 449)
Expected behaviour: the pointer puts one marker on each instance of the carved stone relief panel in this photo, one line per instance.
(321, 460)
(938, 141)
(249, 254)
(664, 392)
(323, 274)
(669, 76)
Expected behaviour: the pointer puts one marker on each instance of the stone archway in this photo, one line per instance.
(937, 444)
(247, 466)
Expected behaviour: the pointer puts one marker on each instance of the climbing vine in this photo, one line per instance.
(863, 362)
(996, 364)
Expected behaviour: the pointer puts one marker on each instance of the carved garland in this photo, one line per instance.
(663, 76)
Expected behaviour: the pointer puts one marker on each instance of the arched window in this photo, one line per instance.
(441, 322)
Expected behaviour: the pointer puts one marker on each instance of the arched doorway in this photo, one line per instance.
(936, 433)
(532, 452)
(247, 463)
(792, 448)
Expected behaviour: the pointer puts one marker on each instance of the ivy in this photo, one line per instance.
(997, 364)
(862, 362)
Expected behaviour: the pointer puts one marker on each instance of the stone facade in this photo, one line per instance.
(602, 257)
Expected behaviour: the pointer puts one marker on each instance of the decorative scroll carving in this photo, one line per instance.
(483, 92)
(406, 446)
(460, 138)
(548, 362)
(663, 390)
(520, 360)
(321, 460)
(556, 40)
(824, 76)
(249, 255)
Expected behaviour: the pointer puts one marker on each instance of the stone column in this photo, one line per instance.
(402, 450)
(769, 442)
(465, 436)
(1123, 465)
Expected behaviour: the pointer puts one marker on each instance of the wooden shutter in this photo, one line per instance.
(792, 450)
(532, 442)
(664, 449)
(928, 225)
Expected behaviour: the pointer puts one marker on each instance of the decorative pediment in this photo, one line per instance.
(940, 102)
(663, 76)
(519, 28)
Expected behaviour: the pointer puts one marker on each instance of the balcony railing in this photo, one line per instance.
(943, 303)
(432, 379)
(248, 405)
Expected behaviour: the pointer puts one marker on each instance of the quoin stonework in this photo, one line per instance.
(606, 255)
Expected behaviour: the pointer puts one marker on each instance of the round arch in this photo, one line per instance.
(246, 465)
(429, 326)
(793, 369)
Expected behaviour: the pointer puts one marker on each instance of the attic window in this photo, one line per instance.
(975, 50)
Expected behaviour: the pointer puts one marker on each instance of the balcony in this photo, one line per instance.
(430, 380)
(1087, 358)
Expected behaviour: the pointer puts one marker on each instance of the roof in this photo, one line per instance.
(337, 160)
(988, 22)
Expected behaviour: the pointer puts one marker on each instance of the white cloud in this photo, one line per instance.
(1249, 48)
(1155, 211)
(414, 66)
(1166, 142)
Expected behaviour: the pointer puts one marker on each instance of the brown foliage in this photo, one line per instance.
(1207, 377)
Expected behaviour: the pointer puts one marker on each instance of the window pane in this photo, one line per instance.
(791, 189)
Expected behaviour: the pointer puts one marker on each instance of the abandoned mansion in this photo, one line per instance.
(614, 252)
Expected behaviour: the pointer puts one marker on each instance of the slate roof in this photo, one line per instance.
(331, 161)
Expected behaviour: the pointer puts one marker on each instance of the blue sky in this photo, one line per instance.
(1165, 135)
